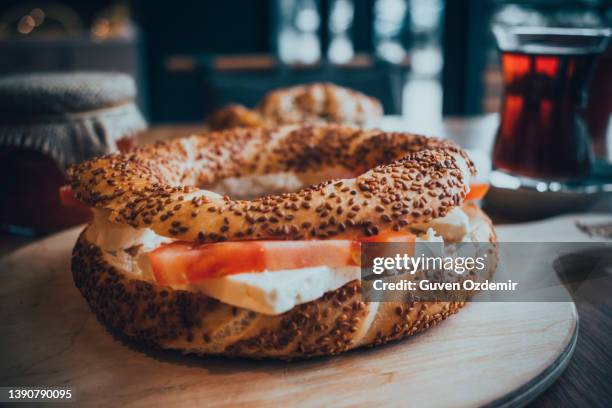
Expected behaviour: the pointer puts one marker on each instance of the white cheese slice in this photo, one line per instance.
(453, 227)
(273, 293)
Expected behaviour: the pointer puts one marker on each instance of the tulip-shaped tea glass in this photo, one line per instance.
(546, 73)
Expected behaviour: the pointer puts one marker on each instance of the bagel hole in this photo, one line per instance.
(260, 185)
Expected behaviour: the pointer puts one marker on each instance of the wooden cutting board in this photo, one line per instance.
(489, 353)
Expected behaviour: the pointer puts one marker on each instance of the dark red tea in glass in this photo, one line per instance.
(546, 71)
(600, 103)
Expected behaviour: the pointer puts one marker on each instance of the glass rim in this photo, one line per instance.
(552, 30)
(551, 40)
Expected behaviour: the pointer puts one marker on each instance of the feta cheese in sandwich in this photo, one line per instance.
(267, 292)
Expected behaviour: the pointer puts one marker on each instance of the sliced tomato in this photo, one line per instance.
(477, 191)
(396, 237)
(181, 263)
(67, 199)
(304, 254)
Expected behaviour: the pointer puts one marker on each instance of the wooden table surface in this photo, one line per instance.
(587, 379)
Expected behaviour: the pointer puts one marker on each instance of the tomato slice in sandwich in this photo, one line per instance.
(182, 263)
(68, 199)
(477, 191)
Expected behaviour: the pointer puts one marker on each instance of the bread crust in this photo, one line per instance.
(191, 322)
(319, 101)
(235, 115)
(311, 103)
(402, 179)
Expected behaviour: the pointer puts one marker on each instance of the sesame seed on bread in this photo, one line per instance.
(401, 179)
(192, 322)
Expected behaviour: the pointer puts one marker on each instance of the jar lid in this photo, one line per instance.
(68, 116)
(63, 93)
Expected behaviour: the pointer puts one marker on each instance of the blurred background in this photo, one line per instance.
(433, 64)
(424, 59)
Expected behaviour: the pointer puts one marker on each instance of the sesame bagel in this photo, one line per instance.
(191, 322)
(400, 179)
(312, 103)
